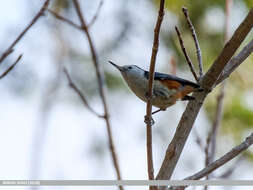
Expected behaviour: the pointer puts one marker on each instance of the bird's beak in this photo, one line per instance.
(118, 67)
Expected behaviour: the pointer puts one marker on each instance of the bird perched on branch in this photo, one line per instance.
(167, 89)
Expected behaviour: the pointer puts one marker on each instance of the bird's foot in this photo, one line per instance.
(157, 111)
(149, 120)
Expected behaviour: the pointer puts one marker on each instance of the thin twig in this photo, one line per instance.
(193, 107)
(80, 94)
(212, 135)
(223, 160)
(101, 88)
(198, 140)
(211, 140)
(11, 67)
(150, 92)
(37, 16)
(94, 18)
(186, 55)
(194, 35)
(236, 61)
(219, 162)
(66, 20)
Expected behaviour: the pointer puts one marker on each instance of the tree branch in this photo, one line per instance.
(194, 35)
(223, 160)
(11, 67)
(150, 91)
(99, 75)
(80, 94)
(37, 16)
(186, 55)
(188, 118)
(236, 62)
(61, 18)
(94, 18)
(219, 162)
(230, 170)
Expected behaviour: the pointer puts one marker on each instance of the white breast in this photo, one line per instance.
(162, 99)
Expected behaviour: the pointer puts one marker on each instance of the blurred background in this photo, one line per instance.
(47, 133)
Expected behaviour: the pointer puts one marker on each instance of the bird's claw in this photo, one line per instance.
(149, 120)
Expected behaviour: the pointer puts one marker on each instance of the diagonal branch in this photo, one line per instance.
(59, 17)
(99, 75)
(94, 18)
(80, 94)
(194, 35)
(230, 170)
(188, 118)
(37, 16)
(219, 162)
(150, 92)
(186, 55)
(11, 67)
(236, 62)
(224, 159)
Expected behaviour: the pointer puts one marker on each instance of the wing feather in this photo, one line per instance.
(174, 79)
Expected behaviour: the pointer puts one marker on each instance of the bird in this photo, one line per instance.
(167, 89)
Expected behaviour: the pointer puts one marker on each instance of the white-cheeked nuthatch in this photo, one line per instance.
(167, 89)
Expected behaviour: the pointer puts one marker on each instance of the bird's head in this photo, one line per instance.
(129, 71)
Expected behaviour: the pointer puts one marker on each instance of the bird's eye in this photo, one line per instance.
(129, 67)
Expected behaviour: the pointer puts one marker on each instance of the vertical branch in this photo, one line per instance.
(150, 91)
(211, 139)
(100, 86)
(194, 35)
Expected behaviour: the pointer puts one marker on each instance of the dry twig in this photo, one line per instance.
(224, 159)
(230, 170)
(100, 86)
(11, 67)
(59, 17)
(37, 16)
(194, 35)
(235, 62)
(150, 92)
(94, 18)
(198, 140)
(186, 55)
(71, 23)
(220, 162)
(80, 94)
(207, 82)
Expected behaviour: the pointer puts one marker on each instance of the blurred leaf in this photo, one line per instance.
(249, 3)
(239, 112)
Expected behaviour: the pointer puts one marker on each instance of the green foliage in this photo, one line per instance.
(249, 3)
(239, 113)
(237, 116)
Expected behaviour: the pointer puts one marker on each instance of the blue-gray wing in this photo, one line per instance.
(163, 76)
